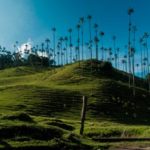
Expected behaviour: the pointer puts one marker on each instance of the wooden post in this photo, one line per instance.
(83, 114)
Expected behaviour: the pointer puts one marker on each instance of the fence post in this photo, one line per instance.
(83, 114)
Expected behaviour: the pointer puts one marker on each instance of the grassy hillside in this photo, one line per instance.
(42, 95)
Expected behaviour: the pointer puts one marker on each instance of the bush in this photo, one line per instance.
(32, 131)
(61, 125)
(20, 116)
(105, 66)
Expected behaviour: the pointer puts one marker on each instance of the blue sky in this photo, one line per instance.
(33, 19)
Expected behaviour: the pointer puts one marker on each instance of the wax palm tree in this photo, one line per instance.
(76, 53)
(118, 59)
(137, 68)
(110, 54)
(26, 51)
(78, 41)
(89, 17)
(141, 51)
(123, 64)
(134, 30)
(54, 42)
(96, 40)
(115, 54)
(133, 70)
(146, 36)
(125, 58)
(47, 41)
(70, 45)
(42, 46)
(87, 47)
(82, 35)
(144, 66)
(130, 12)
(61, 49)
(66, 46)
(105, 53)
(58, 53)
(102, 48)
(64, 54)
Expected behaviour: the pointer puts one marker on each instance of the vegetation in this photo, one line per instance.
(48, 102)
(43, 86)
(63, 51)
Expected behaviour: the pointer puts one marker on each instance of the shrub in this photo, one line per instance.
(20, 116)
(105, 66)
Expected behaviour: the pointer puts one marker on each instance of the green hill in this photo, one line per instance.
(51, 91)
(45, 94)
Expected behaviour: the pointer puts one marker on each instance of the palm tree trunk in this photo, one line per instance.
(129, 51)
(82, 43)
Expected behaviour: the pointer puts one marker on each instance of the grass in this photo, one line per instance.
(40, 108)
(46, 133)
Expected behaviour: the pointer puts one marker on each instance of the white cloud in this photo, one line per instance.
(28, 46)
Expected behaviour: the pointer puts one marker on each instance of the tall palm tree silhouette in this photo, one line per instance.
(58, 53)
(82, 35)
(137, 68)
(89, 17)
(42, 46)
(146, 36)
(70, 44)
(130, 12)
(123, 64)
(76, 53)
(125, 58)
(110, 54)
(96, 40)
(47, 41)
(54, 42)
(141, 50)
(115, 53)
(118, 57)
(66, 46)
(61, 49)
(102, 48)
(134, 29)
(78, 41)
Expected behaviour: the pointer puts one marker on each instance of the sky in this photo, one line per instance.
(24, 20)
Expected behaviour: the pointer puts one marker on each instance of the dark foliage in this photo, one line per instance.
(20, 117)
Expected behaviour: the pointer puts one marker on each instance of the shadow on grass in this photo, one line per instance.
(5, 144)
(116, 102)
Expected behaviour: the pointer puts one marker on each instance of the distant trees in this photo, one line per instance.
(70, 44)
(89, 17)
(82, 21)
(96, 40)
(54, 42)
(78, 41)
(102, 48)
(130, 49)
(5, 58)
(115, 53)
